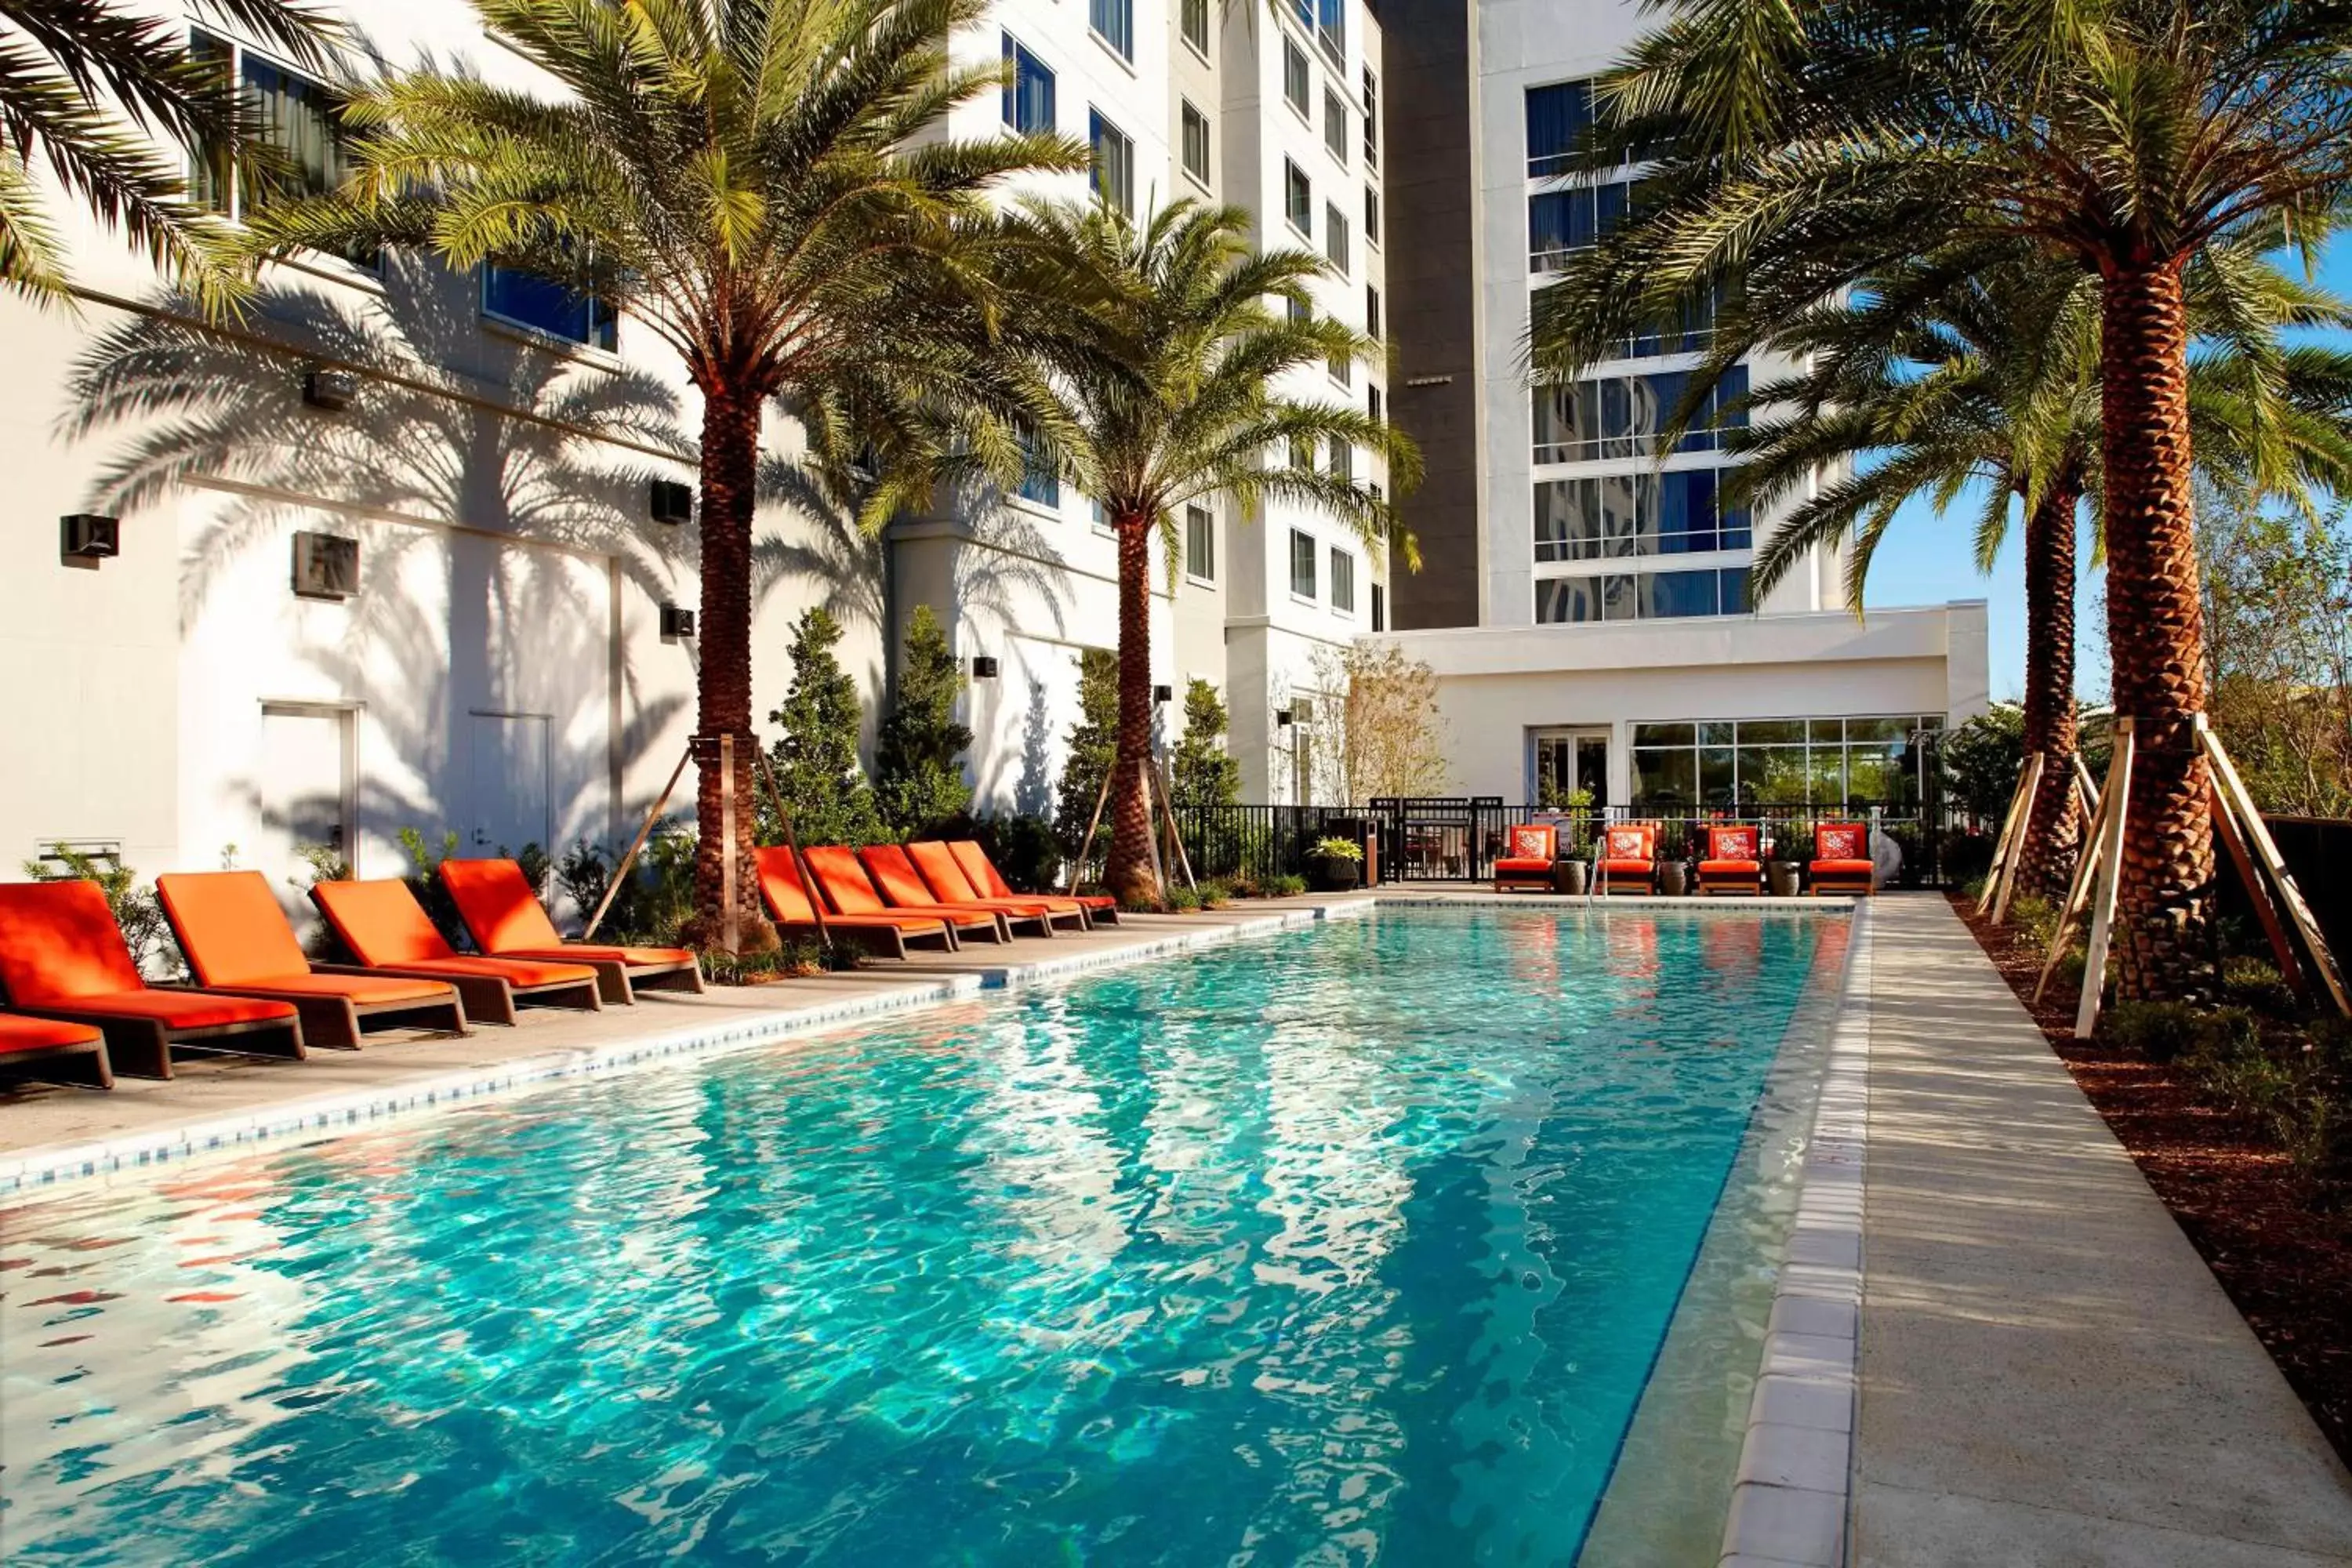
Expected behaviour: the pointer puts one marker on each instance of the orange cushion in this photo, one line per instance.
(498, 906)
(1730, 868)
(58, 942)
(1533, 841)
(780, 884)
(585, 953)
(943, 876)
(523, 971)
(1098, 901)
(43, 1033)
(1529, 867)
(1631, 843)
(897, 877)
(842, 880)
(1842, 868)
(367, 990)
(1732, 843)
(1840, 841)
(230, 926)
(1627, 868)
(380, 922)
(979, 870)
(180, 1009)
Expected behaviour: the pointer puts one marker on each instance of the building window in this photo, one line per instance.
(1196, 144)
(1371, 121)
(1343, 462)
(551, 307)
(1782, 762)
(1636, 514)
(1331, 28)
(1114, 22)
(1300, 310)
(1196, 24)
(1561, 223)
(1372, 310)
(1201, 543)
(1621, 416)
(1040, 481)
(1302, 452)
(1335, 125)
(1335, 236)
(296, 118)
(1029, 95)
(1343, 581)
(1302, 564)
(1371, 216)
(1557, 116)
(1380, 608)
(1114, 163)
(1374, 406)
(1297, 198)
(1296, 82)
(1342, 368)
(1643, 596)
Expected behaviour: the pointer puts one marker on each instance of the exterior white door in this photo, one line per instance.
(1570, 760)
(306, 787)
(509, 805)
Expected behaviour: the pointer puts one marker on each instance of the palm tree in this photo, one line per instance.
(760, 185)
(1799, 148)
(1936, 376)
(1169, 366)
(88, 85)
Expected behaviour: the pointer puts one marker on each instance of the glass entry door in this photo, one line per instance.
(1570, 760)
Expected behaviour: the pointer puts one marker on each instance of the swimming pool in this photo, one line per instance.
(1352, 1244)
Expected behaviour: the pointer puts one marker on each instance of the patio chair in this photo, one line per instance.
(33, 1044)
(1532, 850)
(389, 932)
(1734, 861)
(895, 876)
(937, 866)
(238, 943)
(506, 919)
(842, 880)
(988, 882)
(62, 957)
(1842, 862)
(787, 899)
(1629, 858)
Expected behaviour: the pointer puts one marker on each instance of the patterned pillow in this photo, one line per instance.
(1530, 842)
(1629, 844)
(1735, 844)
(1840, 843)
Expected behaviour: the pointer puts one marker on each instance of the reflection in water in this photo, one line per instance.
(1350, 1245)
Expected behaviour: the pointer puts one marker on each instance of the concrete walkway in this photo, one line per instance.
(2050, 1375)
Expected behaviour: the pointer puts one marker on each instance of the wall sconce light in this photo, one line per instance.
(331, 388)
(326, 566)
(676, 623)
(1163, 693)
(672, 502)
(87, 538)
(983, 666)
(1282, 717)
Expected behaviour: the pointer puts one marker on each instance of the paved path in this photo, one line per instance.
(2050, 1375)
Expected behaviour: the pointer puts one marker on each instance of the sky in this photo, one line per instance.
(1926, 559)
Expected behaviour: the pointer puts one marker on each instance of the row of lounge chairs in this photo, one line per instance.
(1733, 862)
(78, 1007)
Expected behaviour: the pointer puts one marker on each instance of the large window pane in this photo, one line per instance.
(1773, 775)
(1622, 510)
(1114, 20)
(1114, 163)
(1686, 511)
(1296, 82)
(1563, 599)
(545, 307)
(1666, 775)
(1772, 732)
(1717, 775)
(1029, 95)
(1567, 519)
(1297, 198)
(1875, 772)
(1196, 24)
(1199, 543)
(1677, 594)
(1557, 116)
(1302, 564)
(1196, 143)
(1662, 734)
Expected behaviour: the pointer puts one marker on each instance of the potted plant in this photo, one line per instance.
(1333, 865)
(1792, 845)
(1573, 867)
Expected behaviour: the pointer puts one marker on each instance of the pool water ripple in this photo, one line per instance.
(1353, 1245)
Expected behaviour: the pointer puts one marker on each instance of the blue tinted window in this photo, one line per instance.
(1040, 481)
(1735, 590)
(1675, 594)
(1686, 512)
(1029, 95)
(545, 307)
(1114, 20)
(1557, 116)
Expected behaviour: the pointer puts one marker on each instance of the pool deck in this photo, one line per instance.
(2049, 1373)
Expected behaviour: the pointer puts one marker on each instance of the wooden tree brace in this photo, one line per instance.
(645, 831)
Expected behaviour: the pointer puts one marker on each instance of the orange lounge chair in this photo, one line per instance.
(895, 878)
(1629, 858)
(1533, 848)
(388, 931)
(239, 944)
(936, 863)
(980, 871)
(787, 898)
(62, 956)
(1733, 862)
(27, 1045)
(506, 921)
(1842, 861)
(842, 880)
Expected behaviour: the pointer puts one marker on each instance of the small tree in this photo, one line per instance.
(917, 757)
(816, 759)
(1981, 762)
(1201, 772)
(1386, 737)
(2278, 616)
(1092, 745)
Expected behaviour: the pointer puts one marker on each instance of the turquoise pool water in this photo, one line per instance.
(1353, 1245)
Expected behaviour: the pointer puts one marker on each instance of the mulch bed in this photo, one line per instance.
(2288, 1269)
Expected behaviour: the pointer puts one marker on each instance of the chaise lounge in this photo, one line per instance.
(506, 919)
(841, 878)
(1842, 862)
(1533, 848)
(238, 943)
(937, 864)
(1733, 863)
(62, 957)
(31, 1045)
(389, 932)
(1629, 858)
(980, 871)
(787, 898)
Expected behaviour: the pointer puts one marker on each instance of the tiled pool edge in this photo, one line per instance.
(40, 1172)
(1793, 1497)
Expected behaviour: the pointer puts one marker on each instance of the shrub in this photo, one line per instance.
(1024, 848)
(2255, 983)
(1285, 886)
(1201, 772)
(2034, 918)
(2158, 1031)
(424, 880)
(1215, 894)
(795, 957)
(815, 761)
(651, 906)
(1183, 900)
(919, 780)
(325, 863)
(146, 932)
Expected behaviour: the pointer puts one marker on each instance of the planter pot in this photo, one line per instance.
(1571, 876)
(1673, 878)
(1781, 879)
(1332, 873)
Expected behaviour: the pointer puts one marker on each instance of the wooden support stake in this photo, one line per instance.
(729, 928)
(2029, 785)
(2085, 785)
(792, 846)
(2110, 875)
(2258, 840)
(1175, 833)
(2258, 893)
(2077, 893)
(621, 872)
(1078, 870)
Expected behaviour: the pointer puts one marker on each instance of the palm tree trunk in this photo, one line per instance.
(730, 455)
(2053, 830)
(1130, 873)
(2156, 635)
